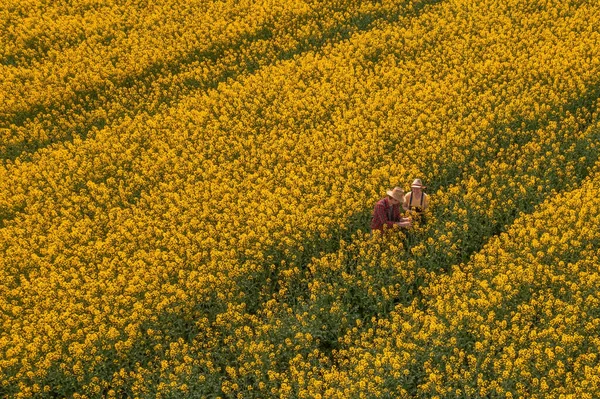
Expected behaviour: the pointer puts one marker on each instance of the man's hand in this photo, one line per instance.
(404, 222)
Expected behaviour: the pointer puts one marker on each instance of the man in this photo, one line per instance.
(387, 211)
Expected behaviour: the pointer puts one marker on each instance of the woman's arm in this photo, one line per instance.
(405, 204)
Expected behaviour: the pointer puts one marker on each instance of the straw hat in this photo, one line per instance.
(417, 183)
(397, 193)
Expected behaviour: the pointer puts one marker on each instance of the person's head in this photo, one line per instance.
(395, 196)
(417, 186)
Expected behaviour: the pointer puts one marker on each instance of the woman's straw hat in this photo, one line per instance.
(417, 183)
(397, 193)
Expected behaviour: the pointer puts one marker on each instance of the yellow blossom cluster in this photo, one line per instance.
(213, 244)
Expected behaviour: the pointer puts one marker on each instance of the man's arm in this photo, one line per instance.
(380, 216)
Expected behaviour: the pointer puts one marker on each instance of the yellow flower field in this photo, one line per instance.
(75, 68)
(186, 190)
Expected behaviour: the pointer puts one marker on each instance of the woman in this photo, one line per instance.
(416, 200)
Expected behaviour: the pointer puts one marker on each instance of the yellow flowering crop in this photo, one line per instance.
(185, 190)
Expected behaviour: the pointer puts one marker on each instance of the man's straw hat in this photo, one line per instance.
(397, 193)
(417, 183)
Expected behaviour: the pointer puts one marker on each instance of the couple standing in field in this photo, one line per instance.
(387, 210)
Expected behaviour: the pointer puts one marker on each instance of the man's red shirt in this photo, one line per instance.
(385, 214)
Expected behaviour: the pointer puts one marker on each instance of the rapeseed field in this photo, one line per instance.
(186, 190)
